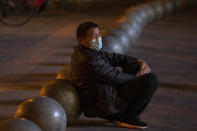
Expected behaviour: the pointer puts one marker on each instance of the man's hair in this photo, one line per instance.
(84, 27)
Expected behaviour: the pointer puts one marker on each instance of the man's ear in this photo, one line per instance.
(80, 40)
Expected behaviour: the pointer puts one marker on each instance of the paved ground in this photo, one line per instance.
(32, 55)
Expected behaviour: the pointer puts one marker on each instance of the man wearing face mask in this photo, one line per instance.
(119, 96)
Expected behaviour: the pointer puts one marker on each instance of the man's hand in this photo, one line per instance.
(144, 68)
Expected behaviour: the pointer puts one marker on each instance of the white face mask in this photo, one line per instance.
(96, 44)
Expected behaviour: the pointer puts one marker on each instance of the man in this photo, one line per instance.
(105, 91)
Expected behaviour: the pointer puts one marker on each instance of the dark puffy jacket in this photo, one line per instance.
(97, 78)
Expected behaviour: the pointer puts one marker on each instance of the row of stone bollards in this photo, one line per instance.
(41, 113)
(129, 27)
(56, 107)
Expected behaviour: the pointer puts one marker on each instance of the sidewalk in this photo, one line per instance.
(32, 55)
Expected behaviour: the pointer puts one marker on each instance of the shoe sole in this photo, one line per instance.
(121, 124)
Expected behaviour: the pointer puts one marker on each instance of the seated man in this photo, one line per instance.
(106, 92)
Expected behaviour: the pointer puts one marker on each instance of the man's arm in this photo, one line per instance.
(119, 60)
(104, 71)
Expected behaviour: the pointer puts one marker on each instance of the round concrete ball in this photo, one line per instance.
(143, 14)
(121, 36)
(64, 73)
(158, 8)
(114, 44)
(18, 125)
(136, 26)
(46, 112)
(134, 16)
(65, 93)
(131, 31)
(133, 25)
(150, 12)
(168, 7)
(133, 22)
(126, 27)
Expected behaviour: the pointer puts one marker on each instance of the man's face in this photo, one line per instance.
(93, 33)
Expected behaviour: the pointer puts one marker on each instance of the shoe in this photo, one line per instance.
(135, 124)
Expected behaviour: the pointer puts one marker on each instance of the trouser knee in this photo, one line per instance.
(152, 81)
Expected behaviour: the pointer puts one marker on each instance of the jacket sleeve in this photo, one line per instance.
(119, 60)
(104, 71)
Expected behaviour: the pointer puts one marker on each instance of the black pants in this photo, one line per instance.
(137, 93)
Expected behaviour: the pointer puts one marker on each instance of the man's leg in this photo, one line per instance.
(137, 93)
